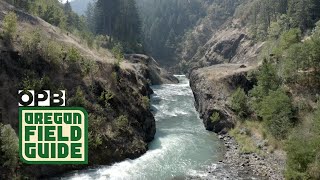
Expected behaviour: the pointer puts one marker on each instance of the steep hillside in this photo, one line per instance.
(256, 77)
(115, 94)
(172, 29)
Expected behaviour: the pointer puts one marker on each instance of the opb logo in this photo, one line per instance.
(42, 98)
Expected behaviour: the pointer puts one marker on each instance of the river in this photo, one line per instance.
(181, 145)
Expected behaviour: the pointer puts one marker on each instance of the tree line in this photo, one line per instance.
(119, 20)
(285, 14)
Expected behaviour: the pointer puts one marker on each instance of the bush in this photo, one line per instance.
(117, 51)
(268, 80)
(37, 84)
(95, 137)
(105, 97)
(78, 99)
(122, 122)
(303, 150)
(215, 117)
(276, 110)
(239, 102)
(52, 51)
(9, 148)
(114, 77)
(145, 102)
(88, 67)
(300, 154)
(100, 40)
(289, 38)
(9, 26)
(73, 55)
(31, 44)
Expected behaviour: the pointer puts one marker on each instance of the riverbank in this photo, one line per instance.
(238, 165)
(212, 87)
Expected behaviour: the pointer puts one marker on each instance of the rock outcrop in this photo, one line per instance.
(219, 69)
(229, 45)
(151, 69)
(212, 86)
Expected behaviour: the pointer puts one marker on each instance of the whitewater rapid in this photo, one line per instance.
(181, 146)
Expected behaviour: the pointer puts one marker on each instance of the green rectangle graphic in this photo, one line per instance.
(53, 135)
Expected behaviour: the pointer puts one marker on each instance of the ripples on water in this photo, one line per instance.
(181, 146)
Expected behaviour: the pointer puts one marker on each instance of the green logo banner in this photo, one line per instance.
(53, 135)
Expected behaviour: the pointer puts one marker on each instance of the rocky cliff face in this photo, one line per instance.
(212, 87)
(150, 68)
(219, 69)
(230, 44)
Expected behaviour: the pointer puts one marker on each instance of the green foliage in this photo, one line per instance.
(105, 97)
(54, 13)
(122, 122)
(73, 55)
(262, 14)
(78, 100)
(145, 102)
(9, 147)
(239, 103)
(100, 40)
(303, 147)
(31, 44)
(289, 38)
(95, 136)
(37, 84)
(52, 51)
(244, 140)
(276, 110)
(9, 26)
(117, 19)
(267, 80)
(114, 76)
(88, 67)
(215, 117)
(117, 51)
(293, 62)
(274, 30)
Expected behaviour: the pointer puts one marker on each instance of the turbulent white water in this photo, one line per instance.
(181, 146)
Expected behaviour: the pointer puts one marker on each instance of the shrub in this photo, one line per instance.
(100, 40)
(52, 51)
(300, 153)
(88, 66)
(290, 37)
(276, 110)
(95, 140)
(122, 122)
(117, 51)
(36, 84)
(105, 97)
(78, 99)
(215, 117)
(239, 102)
(114, 76)
(9, 148)
(268, 80)
(145, 102)
(10, 26)
(73, 55)
(303, 151)
(31, 44)
(95, 137)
